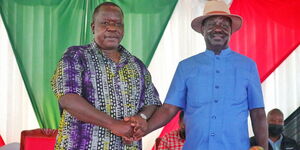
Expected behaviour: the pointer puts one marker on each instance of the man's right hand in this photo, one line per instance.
(139, 125)
(139, 132)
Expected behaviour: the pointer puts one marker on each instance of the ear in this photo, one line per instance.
(93, 27)
(202, 28)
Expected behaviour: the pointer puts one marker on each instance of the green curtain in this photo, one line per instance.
(41, 30)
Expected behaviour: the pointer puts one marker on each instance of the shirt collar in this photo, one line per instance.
(125, 55)
(276, 143)
(224, 52)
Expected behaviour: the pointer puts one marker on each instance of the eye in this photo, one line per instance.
(119, 24)
(225, 25)
(210, 24)
(105, 23)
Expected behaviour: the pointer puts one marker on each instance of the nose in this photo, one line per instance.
(217, 28)
(111, 28)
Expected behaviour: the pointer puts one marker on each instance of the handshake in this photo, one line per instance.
(130, 129)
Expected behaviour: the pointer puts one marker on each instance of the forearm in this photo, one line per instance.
(78, 107)
(162, 116)
(259, 125)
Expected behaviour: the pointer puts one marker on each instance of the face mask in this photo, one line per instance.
(275, 130)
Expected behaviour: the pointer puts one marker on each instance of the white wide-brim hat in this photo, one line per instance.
(217, 8)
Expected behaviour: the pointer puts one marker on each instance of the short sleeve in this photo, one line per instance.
(67, 77)
(151, 94)
(177, 91)
(254, 92)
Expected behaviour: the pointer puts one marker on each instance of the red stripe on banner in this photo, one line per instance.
(270, 31)
(1, 141)
(269, 34)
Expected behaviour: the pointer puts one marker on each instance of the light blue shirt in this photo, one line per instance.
(216, 93)
(276, 145)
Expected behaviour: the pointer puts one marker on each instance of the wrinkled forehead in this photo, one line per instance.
(112, 12)
(217, 19)
(275, 116)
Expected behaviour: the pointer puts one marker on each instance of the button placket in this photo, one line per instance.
(216, 95)
(217, 72)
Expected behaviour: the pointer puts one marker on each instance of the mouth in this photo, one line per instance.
(111, 37)
(218, 36)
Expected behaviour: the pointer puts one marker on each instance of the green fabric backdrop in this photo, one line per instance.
(41, 30)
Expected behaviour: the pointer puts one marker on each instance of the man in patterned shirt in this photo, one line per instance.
(100, 84)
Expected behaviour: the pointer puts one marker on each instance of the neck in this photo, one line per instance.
(114, 55)
(274, 139)
(217, 49)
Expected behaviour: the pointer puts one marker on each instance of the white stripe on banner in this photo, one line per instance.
(16, 112)
(282, 88)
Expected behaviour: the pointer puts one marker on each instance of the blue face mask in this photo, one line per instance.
(275, 130)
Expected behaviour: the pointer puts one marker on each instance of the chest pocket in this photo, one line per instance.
(235, 85)
(199, 87)
(241, 85)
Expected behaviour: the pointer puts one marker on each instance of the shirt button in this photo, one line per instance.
(218, 58)
(212, 134)
(213, 117)
(216, 101)
(216, 86)
(217, 71)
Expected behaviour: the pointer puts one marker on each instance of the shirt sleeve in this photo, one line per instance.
(177, 91)
(254, 92)
(151, 94)
(67, 76)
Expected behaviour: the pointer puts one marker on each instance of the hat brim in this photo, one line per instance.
(235, 19)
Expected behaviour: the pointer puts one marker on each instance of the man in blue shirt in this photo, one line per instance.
(216, 90)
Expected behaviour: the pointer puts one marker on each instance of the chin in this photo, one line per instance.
(218, 42)
(110, 47)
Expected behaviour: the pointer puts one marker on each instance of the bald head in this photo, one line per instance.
(275, 116)
(99, 7)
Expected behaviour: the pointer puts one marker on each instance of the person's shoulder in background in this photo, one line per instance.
(290, 143)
